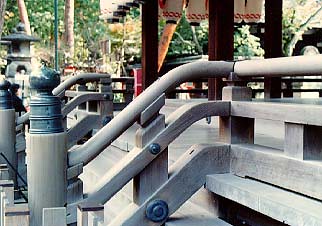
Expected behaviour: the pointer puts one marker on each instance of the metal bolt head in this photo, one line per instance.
(157, 211)
(155, 148)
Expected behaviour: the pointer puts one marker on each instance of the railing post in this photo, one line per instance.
(234, 129)
(7, 128)
(156, 173)
(105, 107)
(303, 141)
(46, 148)
(17, 215)
(84, 211)
(54, 217)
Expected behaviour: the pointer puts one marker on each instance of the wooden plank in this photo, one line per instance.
(279, 204)
(54, 216)
(189, 172)
(17, 215)
(74, 171)
(75, 191)
(221, 39)
(149, 58)
(271, 166)
(294, 113)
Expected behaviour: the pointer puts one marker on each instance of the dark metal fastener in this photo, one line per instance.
(155, 148)
(157, 211)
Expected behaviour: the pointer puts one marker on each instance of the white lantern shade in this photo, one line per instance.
(239, 10)
(253, 10)
(171, 10)
(197, 11)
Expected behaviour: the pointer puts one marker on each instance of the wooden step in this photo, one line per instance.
(279, 204)
(191, 215)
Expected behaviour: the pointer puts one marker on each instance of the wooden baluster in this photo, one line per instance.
(75, 185)
(85, 209)
(17, 215)
(233, 129)
(54, 216)
(105, 107)
(156, 173)
(4, 172)
(7, 186)
(303, 141)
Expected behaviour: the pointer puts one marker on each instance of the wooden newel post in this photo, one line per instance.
(46, 148)
(234, 129)
(7, 128)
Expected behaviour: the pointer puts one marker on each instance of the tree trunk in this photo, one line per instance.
(23, 15)
(2, 12)
(69, 27)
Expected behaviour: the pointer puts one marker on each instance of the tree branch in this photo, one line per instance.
(298, 34)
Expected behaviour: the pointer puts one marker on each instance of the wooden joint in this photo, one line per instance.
(152, 111)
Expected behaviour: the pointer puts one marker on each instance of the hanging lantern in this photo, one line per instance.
(132, 4)
(197, 11)
(122, 5)
(239, 10)
(110, 11)
(253, 11)
(171, 10)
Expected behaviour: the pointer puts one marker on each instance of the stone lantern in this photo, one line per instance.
(18, 57)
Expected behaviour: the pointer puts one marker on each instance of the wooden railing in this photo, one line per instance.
(148, 160)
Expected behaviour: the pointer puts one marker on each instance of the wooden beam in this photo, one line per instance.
(149, 43)
(273, 43)
(221, 39)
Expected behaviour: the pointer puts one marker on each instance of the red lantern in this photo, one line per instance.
(171, 10)
(253, 10)
(239, 10)
(197, 11)
(248, 10)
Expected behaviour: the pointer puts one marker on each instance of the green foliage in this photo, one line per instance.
(246, 45)
(298, 17)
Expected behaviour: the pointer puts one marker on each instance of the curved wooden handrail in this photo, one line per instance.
(84, 77)
(122, 121)
(286, 66)
(79, 99)
(138, 158)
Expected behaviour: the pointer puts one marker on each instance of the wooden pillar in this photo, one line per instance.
(273, 43)
(221, 39)
(149, 43)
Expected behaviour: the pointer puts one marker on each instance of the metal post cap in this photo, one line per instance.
(157, 211)
(5, 95)
(45, 108)
(44, 80)
(155, 148)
